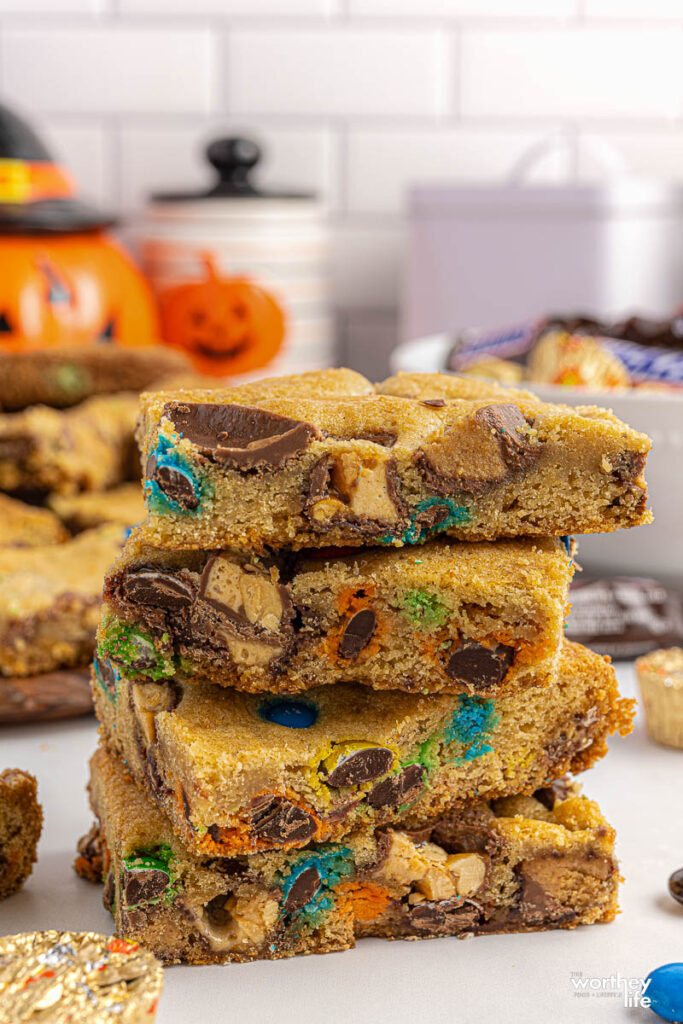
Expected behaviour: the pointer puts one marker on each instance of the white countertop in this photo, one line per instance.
(495, 979)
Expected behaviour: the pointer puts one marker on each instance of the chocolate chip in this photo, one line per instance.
(105, 675)
(479, 667)
(507, 422)
(387, 438)
(176, 485)
(676, 885)
(436, 403)
(140, 885)
(304, 888)
(278, 820)
(157, 588)
(240, 436)
(397, 789)
(361, 766)
(450, 916)
(358, 633)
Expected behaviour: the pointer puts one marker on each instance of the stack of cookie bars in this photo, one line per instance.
(333, 688)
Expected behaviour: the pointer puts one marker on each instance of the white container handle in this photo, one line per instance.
(603, 152)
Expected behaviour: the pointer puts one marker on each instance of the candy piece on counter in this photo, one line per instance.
(624, 616)
(65, 693)
(77, 978)
(513, 865)
(660, 675)
(676, 885)
(26, 526)
(21, 822)
(89, 509)
(575, 360)
(665, 991)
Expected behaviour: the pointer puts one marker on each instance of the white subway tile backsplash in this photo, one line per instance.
(52, 6)
(366, 264)
(107, 70)
(644, 10)
(340, 72)
(226, 8)
(617, 72)
(381, 164)
(467, 8)
(647, 154)
(171, 158)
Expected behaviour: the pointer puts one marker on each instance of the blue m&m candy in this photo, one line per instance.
(293, 714)
(664, 988)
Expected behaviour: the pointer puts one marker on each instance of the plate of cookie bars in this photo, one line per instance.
(334, 694)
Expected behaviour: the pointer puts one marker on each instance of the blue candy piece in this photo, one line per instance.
(293, 714)
(665, 991)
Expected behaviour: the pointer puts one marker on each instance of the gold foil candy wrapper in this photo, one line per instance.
(77, 978)
(660, 677)
(575, 360)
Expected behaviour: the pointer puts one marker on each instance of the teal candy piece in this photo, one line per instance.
(332, 864)
(293, 714)
(158, 502)
(472, 723)
(664, 989)
(458, 515)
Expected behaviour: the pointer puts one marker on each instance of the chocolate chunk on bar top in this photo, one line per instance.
(242, 773)
(326, 458)
(482, 618)
(512, 865)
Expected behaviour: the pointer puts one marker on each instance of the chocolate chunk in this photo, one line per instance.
(628, 466)
(303, 889)
(176, 485)
(109, 891)
(559, 790)
(240, 436)
(430, 517)
(140, 885)
(436, 403)
(507, 422)
(387, 438)
(361, 766)
(105, 675)
(443, 916)
(360, 491)
(397, 789)
(278, 820)
(358, 633)
(158, 588)
(676, 885)
(154, 777)
(479, 667)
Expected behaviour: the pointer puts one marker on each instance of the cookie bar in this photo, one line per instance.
(477, 618)
(21, 822)
(326, 461)
(84, 511)
(26, 526)
(87, 448)
(515, 865)
(67, 375)
(50, 601)
(241, 773)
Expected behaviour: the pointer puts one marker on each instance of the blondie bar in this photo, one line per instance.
(87, 448)
(477, 618)
(84, 511)
(26, 526)
(328, 460)
(21, 822)
(515, 865)
(50, 601)
(66, 375)
(241, 773)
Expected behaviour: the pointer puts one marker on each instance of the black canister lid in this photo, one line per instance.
(27, 174)
(234, 158)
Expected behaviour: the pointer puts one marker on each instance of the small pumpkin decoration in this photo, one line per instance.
(63, 278)
(227, 325)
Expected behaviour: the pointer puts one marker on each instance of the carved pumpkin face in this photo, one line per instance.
(226, 325)
(72, 289)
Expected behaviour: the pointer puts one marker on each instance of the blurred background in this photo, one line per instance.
(351, 99)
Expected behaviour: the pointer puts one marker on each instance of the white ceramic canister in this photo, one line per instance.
(241, 273)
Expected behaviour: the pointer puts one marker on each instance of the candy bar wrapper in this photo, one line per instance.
(625, 616)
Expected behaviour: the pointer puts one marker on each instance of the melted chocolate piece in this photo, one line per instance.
(480, 667)
(140, 885)
(443, 917)
(430, 517)
(278, 820)
(358, 633)
(507, 422)
(559, 790)
(158, 588)
(435, 403)
(176, 485)
(321, 485)
(361, 766)
(397, 789)
(240, 436)
(303, 889)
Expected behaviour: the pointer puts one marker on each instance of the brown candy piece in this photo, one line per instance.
(358, 490)
(140, 885)
(248, 595)
(676, 885)
(303, 889)
(511, 429)
(240, 436)
(277, 820)
(397, 789)
(361, 766)
(479, 667)
(175, 484)
(440, 916)
(157, 588)
(358, 633)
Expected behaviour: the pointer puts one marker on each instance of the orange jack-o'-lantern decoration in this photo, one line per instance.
(63, 279)
(227, 325)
